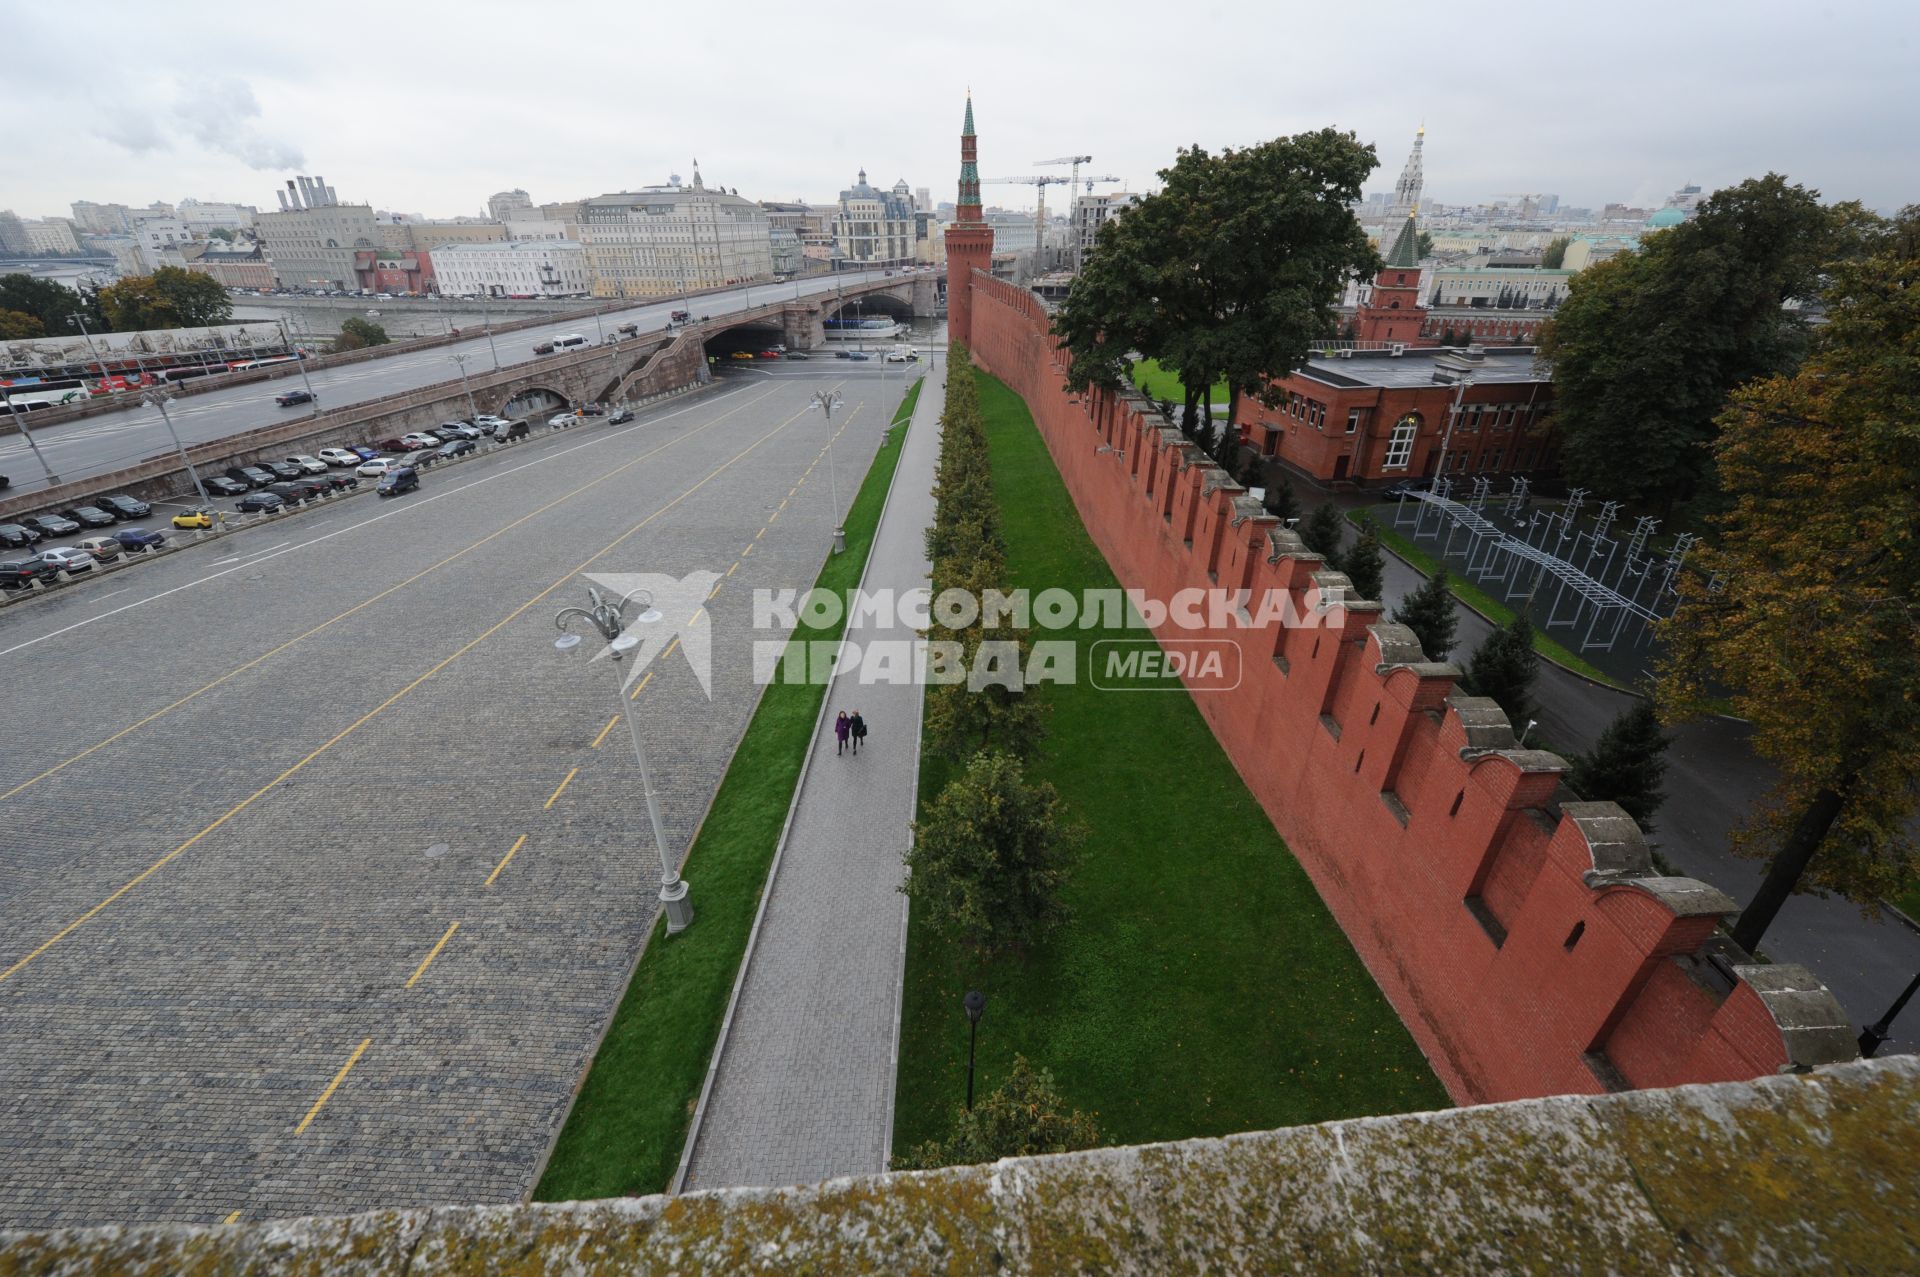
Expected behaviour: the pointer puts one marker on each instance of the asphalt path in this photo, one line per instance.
(1713, 781)
(102, 443)
(322, 872)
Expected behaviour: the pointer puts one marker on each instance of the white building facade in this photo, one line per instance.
(161, 240)
(874, 227)
(663, 241)
(53, 235)
(514, 268)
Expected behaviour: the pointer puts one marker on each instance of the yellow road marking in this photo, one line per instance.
(232, 1219)
(695, 620)
(434, 953)
(333, 1086)
(604, 730)
(773, 516)
(563, 789)
(756, 536)
(642, 686)
(354, 726)
(736, 564)
(518, 843)
(743, 554)
(715, 590)
(272, 652)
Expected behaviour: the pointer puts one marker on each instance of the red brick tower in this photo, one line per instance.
(969, 239)
(1393, 311)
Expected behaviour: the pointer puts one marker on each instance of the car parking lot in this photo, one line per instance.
(114, 531)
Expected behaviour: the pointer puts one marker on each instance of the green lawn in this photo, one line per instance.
(1202, 987)
(630, 1121)
(1480, 601)
(1159, 383)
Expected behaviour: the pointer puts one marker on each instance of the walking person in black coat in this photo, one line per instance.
(857, 726)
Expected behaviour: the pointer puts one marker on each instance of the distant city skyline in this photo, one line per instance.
(1625, 105)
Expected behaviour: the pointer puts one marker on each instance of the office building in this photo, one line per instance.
(513, 268)
(665, 240)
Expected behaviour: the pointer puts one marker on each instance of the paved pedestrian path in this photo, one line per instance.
(804, 1087)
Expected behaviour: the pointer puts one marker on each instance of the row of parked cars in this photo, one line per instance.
(97, 545)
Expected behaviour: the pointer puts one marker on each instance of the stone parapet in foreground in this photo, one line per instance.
(1814, 1173)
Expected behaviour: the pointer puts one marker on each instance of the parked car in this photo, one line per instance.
(18, 574)
(418, 439)
(221, 486)
(90, 517)
(383, 445)
(17, 536)
(292, 397)
(103, 549)
(308, 465)
(769, 354)
(292, 493)
(741, 354)
(365, 454)
(339, 456)
(489, 423)
(138, 538)
(562, 419)
(375, 468)
(68, 561)
(1405, 488)
(843, 354)
(457, 448)
(124, 507)
(252, 476)
(51, 525)
(261, 503)
(405, 479)
(513, 430)
(283, 469)
(337, 482)
(620, 416)
(194, 519)
(594, 410)
(447, 434)
(798, 354)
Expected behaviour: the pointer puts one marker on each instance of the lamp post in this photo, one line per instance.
(159, 401)
(826, 401)
(81, 322)
(976, 1003)
(19, 419)
(301, 359)
(1875, 1034)
(461, 360)
(1453, 416)
(486, 321)
(610, 619)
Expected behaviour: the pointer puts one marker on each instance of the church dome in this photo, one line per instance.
(1664, 218)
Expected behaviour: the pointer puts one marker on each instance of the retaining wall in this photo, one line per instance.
(1520, 933)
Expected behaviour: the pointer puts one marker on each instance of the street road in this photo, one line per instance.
(322, 872)
(99, 444)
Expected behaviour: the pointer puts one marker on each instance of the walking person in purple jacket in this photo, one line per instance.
(842, 726)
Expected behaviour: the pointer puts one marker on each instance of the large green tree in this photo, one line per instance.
(357, 334)
(168, 298)
(1626, 764)
(15, 324)
(51, 303)
(1806, 608)
(1647, 345)
(1554, 255)
(1429, 613)
(1229, 272)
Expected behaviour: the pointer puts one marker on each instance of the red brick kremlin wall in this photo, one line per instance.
(1520, 933)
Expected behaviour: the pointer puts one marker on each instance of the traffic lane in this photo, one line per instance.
(1713, 781)
(469, 1072)
(135, 433)
(262, 720)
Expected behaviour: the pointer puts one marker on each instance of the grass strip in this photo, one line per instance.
(1480, 601)
(1159, 383)
(627, 1127)
(1201, 987)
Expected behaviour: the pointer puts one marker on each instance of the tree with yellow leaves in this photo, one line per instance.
(1807, 606)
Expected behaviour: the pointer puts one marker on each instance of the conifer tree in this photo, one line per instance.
(1626, 764)
(1505, 668)
(1429, 613)
(1281, 502)
(1321, 532)
(1364, 565)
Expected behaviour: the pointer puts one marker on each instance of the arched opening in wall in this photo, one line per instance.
(874, 317)
(533, 401)
(742, 345)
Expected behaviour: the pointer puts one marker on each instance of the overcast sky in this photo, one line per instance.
(432, 108)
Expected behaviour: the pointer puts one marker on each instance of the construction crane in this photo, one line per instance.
(1040, 184)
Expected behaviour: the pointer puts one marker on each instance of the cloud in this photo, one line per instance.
(220, 113)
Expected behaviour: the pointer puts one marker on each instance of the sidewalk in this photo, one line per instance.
(804, 1089)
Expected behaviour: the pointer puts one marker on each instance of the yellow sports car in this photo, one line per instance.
(193, 519)
(741, 354)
